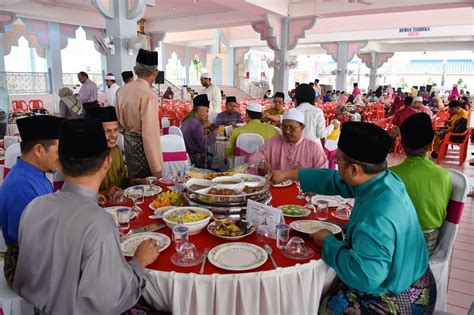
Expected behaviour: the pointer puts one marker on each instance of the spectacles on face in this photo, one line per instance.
(289, 128)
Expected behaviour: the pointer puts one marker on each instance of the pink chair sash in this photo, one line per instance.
(454, 211)
(242, 152)
(174, 156)
(166, 131)
(5, 172)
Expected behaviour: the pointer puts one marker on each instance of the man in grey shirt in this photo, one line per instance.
(70, 260)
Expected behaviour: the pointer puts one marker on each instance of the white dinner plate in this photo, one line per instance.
(148, 193)
(237, 256)
(286, 183)
(313, 226)
(113, 212)
(333, 201)
(130, 244)
(159, 211)
(302, 212)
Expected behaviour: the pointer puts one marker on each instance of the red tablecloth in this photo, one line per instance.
(204, 239)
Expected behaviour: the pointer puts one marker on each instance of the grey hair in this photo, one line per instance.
(142, 70)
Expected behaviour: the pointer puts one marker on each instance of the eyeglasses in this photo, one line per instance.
(290, 128)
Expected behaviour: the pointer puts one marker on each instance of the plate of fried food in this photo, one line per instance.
(231, 229)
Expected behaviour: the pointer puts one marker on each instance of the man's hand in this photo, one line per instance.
(102, 200)
(319, 237)
(147, 252)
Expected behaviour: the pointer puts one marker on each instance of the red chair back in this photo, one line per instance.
(19, 105)
(35, 104)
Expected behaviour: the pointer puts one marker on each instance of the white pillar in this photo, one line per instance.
(372, 78)
(186, 65)
(281, 74)
(230, 66)
(341, 78)
(2, 54)
(53, 55)
(162, 60)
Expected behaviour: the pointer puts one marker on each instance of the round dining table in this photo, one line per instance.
(294, 287)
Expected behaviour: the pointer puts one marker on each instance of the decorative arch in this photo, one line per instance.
(14, 32)
(200, 52)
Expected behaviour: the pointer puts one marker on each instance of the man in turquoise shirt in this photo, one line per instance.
(428, 184)
(382, 264)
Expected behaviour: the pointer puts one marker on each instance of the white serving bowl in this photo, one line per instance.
(194, 227)
(221, 182)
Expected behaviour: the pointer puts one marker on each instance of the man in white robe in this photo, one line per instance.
(213, 94)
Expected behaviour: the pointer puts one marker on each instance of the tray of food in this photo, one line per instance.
(231, 229)
(228, 190)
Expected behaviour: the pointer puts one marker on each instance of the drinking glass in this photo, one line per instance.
(123, 218)
(264, 233)
(151, 180)
(322, 210)
(180, 236)
(283, 234)
(188, 256)
(134, 194)
(309, 205)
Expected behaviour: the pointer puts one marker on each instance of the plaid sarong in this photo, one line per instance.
(431, 239)
(419, 298)
(137, 164)
(11, 256)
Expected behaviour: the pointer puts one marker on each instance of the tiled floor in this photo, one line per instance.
(461, 279)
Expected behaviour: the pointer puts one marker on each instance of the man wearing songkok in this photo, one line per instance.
(457, 123)
(213, 94)
(273, 115)
(27, 179)
(230, 116)
(88, 93)
(419, 107)
(196, 137)
(112, 88)
(116, 177)
(404, 113)
(314, 122)
(253, 125)
(291, 149)
(127, 77)
(137, 112)
(427, 184)
(382, 264)
(70, 260)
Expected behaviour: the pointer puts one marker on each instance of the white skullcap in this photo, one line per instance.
(110, 76)
(205, 76)
(384, 93)
(418, 99)
(294, 114)
(254, 107)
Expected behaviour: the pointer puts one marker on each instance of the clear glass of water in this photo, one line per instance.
(283, 235)
(180, 235)
(135, 194)
(140, 191)
(123, 218)
(322, 208)
(151, 180)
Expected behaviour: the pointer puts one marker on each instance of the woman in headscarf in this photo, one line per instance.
(379, 91)
(454, 93)
(70, 106)
(465, 103)
(397, 103)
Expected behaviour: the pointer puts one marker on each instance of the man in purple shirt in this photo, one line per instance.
(88, 92)
(196, 138)
(230, 116)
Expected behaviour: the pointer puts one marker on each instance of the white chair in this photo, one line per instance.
(10, 302)
(175, 131)
(175, 156)
(212, 117)
(11, 155)
(120, 142)
(247, 144)
(439, 260)
(165, 122)
(10, 140)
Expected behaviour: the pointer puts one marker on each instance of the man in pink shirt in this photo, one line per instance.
(291, 149)
(419, 107)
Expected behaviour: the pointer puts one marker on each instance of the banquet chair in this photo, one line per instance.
(175, 156)
(175, 131)
(10, 140)
(11, 154)
(463, 146)
(10, 302)
(247, 144)
(19, 105)
(440, 259)
(35, 104)
(165, 125)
